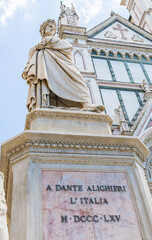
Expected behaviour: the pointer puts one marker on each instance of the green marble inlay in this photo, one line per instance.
(111, 70)
(102, 98)
(139, 98)
(128, 71)
(145, 72)
(122, 105)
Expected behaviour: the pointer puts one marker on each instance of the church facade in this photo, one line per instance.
(115, 59)
(140, 13)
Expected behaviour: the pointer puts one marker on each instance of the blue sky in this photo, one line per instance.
(19, 30)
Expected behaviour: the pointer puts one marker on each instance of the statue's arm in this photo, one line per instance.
(31, 52)
(38, 47)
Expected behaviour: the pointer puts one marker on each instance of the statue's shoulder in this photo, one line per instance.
(56, 39)
(62, 42)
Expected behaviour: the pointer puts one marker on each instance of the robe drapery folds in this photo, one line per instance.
(54, 65)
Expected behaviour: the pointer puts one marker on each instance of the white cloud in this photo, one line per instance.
(117, 1)
(9, 7)
(115, 4)
(87, 9)
(28, 16)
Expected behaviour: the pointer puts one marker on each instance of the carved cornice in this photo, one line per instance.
(70, 147)
(40, 153)
(119, 46)
(66, 114)
(43, 147)
(74, 35)
(121, 85)
(71, 29)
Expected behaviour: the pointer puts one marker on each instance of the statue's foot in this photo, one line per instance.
(91, 106)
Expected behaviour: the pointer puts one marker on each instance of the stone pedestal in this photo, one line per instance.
(76, 184)
(67, 121)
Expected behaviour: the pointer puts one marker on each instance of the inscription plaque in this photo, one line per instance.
(88, 206)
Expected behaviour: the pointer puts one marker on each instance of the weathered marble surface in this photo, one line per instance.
(31, 152)
(3, 210)
(57, 203)
(55, 120)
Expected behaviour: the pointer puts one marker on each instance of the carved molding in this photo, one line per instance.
(70, 147)
(42, 147)
(66, 114)
(75, 148)
(122, 50)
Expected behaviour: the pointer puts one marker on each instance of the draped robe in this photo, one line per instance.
(54, 65)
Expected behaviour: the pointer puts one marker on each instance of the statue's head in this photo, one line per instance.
(48, 28)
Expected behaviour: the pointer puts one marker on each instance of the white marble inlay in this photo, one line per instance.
(136, 72)
(79, 61)
(102, 69)
(141, 95)
(148, 69)
(120, 71)
(131, 103)
(111, 102)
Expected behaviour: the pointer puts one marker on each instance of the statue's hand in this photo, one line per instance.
(40, 46)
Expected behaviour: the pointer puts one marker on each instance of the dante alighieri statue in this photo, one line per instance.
(52, 76)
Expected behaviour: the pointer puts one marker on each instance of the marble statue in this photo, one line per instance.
(145, 86)
(62, 7)
(69, 15)
(52, 76)
(119, 113)
(3, 210)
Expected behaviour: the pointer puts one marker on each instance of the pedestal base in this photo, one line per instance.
(58, 120)
(62, 186)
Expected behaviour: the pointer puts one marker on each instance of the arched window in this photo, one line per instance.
(119, 55)
(102, 53)
(90, 92)
(143, 58)
(94, 52)
(111, 54)
(79, 60)
(135, 57)
(127, 56)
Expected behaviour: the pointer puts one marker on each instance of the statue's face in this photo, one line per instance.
(50, 30)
